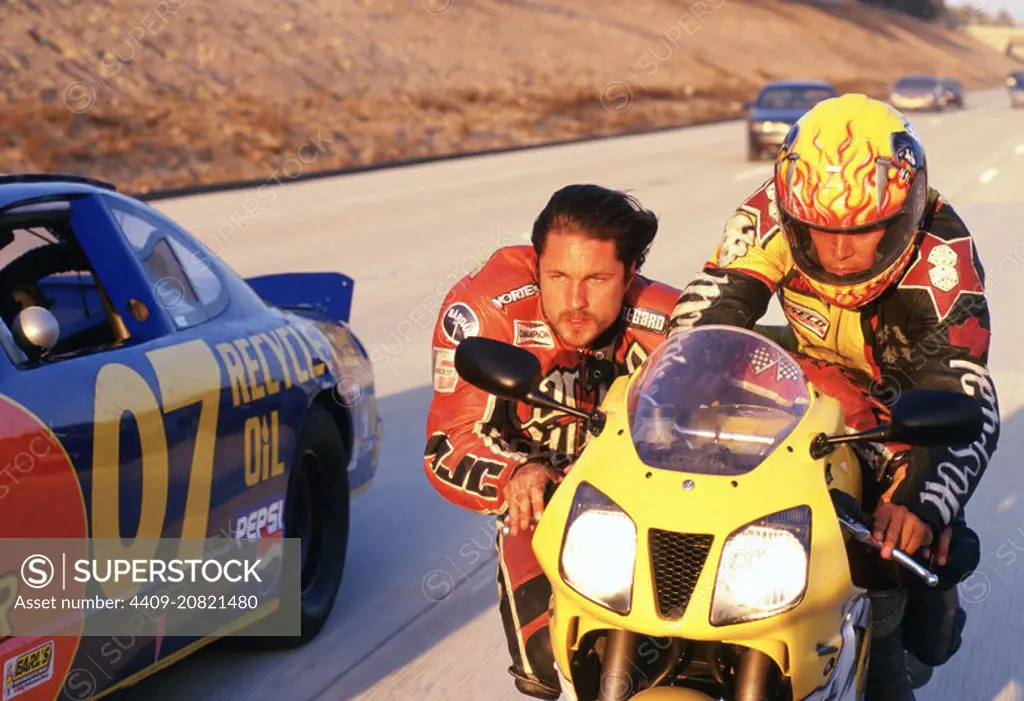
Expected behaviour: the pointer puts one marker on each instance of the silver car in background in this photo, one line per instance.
(919, 92)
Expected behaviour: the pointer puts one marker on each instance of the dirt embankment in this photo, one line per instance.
(156, 94)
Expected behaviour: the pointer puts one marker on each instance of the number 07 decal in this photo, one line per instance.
(187, 374)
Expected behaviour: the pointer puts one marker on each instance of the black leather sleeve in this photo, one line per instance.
(950, 344)
(721, 296)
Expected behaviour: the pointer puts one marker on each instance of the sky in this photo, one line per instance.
(1016, 7)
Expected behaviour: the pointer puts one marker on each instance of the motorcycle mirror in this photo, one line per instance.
(497, 368)
(923, 417)
(508, 372)
(936, 417)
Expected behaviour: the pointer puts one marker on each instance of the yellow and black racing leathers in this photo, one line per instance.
(930, 329)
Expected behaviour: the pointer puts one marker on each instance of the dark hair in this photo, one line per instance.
(609, 215)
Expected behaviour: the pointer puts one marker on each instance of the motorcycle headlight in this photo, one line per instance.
(599, 550)
(763, 570)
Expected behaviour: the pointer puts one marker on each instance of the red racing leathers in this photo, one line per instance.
(475, 441)
(930, 329)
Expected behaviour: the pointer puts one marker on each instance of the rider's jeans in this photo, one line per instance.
(887, 670)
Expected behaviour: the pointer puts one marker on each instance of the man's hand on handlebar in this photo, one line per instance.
(525, 495)
(897, 527)
(939, 555)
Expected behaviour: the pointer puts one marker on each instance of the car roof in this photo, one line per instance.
(798, 84)
(20, 187)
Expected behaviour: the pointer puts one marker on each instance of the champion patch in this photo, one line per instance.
(516, 295)
(646, 319)
(533, 334)
(28, 670)
(460, 322)
(446, 378)
(806, 317)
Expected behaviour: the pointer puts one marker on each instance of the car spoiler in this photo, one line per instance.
(323, 294)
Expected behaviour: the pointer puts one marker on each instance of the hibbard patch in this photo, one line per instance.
(445, 376)
(460, 322)
(516, 295)
(28, 670)
(646, 319)
(806, 317)
(533, 334)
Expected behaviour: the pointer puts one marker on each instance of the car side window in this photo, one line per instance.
(190, 291)
(43, 265)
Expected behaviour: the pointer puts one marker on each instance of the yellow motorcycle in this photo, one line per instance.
(701, 546)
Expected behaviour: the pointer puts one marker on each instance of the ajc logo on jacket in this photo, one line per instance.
(460, 322)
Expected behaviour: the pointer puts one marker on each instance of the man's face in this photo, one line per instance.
(582, 285)
(846, 254)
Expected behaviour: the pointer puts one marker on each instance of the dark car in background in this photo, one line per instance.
(954, 91)
(777, 106)
(1015, 84)
(920, 92)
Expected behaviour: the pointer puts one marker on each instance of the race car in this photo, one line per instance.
(149, 392)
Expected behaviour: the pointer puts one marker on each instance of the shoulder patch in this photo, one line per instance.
(446, 378)
(763, 211)
(739, 236)
(945, 270)
(460, 322)
(645, 319)
(517, 295)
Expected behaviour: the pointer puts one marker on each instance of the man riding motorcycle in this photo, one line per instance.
(883, 291)
(577, 301)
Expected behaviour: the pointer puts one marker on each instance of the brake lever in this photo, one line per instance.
(863, 534)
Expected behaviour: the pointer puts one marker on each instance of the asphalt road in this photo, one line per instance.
(417, 616)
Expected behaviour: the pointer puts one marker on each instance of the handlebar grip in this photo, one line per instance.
(863, 534)
(929, 577)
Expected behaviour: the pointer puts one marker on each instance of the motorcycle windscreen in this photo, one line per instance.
(715, 400)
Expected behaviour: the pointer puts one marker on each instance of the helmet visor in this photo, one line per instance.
(900, 231)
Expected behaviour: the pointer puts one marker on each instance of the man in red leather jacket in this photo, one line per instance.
(577, 301)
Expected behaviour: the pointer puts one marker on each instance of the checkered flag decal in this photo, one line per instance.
(787, 371)
(762, 359)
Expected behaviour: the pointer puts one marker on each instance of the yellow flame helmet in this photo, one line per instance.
(851, 165)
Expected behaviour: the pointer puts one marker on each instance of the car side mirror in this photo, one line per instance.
(36, 331)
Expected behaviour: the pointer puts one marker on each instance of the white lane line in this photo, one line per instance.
(987, 176)
(1020, 150)
(749, 173)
